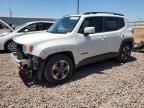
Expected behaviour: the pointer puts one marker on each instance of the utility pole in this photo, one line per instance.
(10, 12)
(77, 6)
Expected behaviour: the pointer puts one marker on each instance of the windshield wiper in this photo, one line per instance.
(57, 32)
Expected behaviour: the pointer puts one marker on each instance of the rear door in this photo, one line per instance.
(113, 33)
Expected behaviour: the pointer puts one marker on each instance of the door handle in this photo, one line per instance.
(122, 35)
(102, 37)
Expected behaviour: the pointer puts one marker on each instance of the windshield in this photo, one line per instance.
(21, 26)
(64, 25)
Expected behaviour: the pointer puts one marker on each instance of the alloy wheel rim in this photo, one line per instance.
(126, 52)
(60, 70)
(12, 46)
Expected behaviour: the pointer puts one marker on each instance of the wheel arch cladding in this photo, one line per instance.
(40, 72)
(129, 41)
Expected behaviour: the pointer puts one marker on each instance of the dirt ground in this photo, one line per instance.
(139, 35)
(4, 30)
(106, 84)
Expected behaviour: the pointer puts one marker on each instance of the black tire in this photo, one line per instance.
(54, 72)
(10, 46)
(124, 53)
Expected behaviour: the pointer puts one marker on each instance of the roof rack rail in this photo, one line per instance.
(103, 13)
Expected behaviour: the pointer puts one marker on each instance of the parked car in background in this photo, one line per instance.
(4, 27)
(74, 41)
(6, 37)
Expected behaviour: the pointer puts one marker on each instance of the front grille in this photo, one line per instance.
(19, 52)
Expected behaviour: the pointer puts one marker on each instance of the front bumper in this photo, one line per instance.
(1, 46)
(33, 65)
(19, 63)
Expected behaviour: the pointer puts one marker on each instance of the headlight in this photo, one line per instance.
(28, 48)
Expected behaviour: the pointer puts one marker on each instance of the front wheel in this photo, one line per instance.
(10, 46)
(58, 69)
(124, 53)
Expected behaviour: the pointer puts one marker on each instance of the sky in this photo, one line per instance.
(133, 9)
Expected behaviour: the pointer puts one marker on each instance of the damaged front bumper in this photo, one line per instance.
(19, 63)
(32, 65)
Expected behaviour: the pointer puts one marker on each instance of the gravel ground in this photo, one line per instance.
(105, 84)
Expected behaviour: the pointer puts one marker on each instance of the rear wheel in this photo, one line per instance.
(10, 46)
(58, 69)
(124, 53)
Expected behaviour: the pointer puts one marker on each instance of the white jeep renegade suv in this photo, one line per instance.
(74, 41)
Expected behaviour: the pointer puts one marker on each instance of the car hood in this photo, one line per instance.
(37, 37)
(6, 25)
(4, 34)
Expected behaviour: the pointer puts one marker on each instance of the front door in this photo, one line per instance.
(93, 44)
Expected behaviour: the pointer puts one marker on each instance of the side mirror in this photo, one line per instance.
(89, 30)
(26, 30)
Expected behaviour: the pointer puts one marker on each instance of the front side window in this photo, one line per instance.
(96, 22)
(34, 27)
(64, 25)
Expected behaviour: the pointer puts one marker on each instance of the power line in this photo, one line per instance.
(77, 6)
(10, 12)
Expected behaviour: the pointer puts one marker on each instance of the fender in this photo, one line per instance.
(64, 44)
(128, 40)
(47, 53)
(59, 49)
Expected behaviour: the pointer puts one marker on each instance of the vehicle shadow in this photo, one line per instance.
(3, 52)
(29, 82)
(82, 72)
(97, 68)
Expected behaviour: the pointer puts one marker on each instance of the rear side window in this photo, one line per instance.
(33, 27)
(47, 25)
(36, 27)
(40, 26)
(113, 23)
(96, 22)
